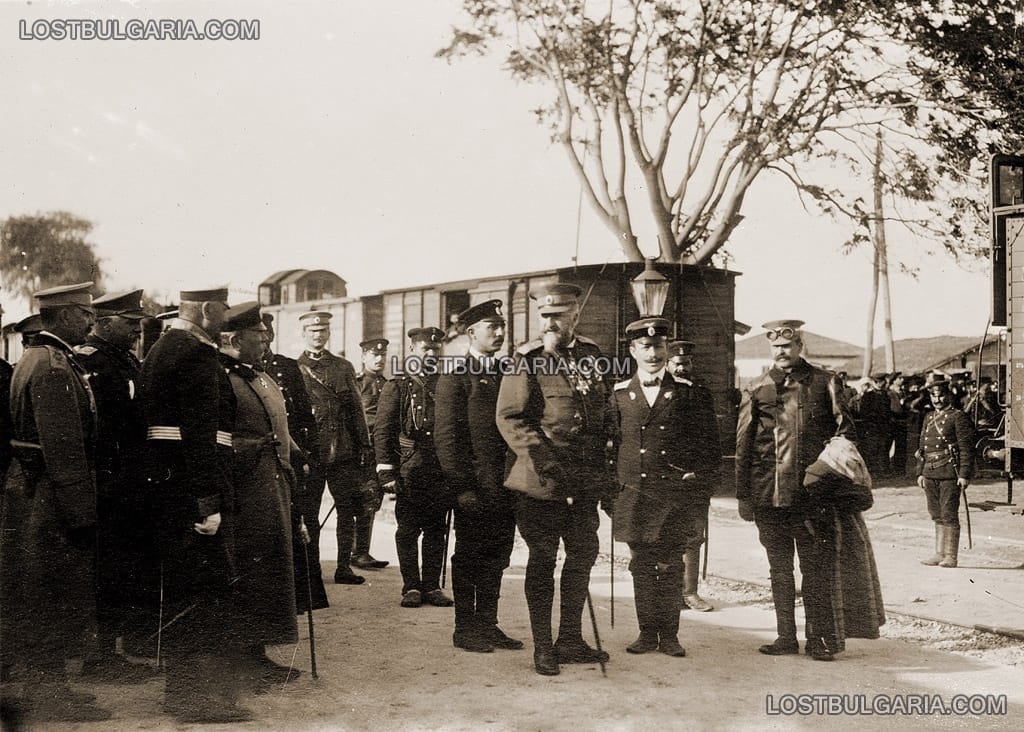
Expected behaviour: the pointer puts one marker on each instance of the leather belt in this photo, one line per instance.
(174, 433)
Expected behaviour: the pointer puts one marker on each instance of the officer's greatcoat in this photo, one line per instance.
(53, 489)
(262, 523)
(658, 445)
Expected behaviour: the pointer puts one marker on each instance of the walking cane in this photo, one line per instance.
(447, 534)
(333, 506)
(160, 618)
(967, 510)
(613, 568)
(593, 617)
(309, 613)
(704, 569)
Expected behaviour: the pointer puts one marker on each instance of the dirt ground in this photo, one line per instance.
(383, 667)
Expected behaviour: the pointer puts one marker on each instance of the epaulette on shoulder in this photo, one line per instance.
(620, 385)
(584, 339)
(682, 380)
(530, 346)
(85, 350)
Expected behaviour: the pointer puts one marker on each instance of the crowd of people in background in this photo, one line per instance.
(889, 410)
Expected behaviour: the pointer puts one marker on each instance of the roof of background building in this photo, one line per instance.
(918, 355)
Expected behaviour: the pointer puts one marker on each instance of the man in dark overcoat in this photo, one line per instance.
(189, 408)
(786, 418)
(309, 583)
(945, 460)
(53, 483)
(403, 439)
(127, 563)
(553, 413)
(262, 475)
(472, 454)
(668, 453)
(371, 382)
(344, 442)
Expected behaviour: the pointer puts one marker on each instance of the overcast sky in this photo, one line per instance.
(338, 141)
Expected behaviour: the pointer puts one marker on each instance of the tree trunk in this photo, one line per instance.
(882, 258)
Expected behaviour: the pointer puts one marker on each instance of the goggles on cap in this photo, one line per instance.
(785, 332)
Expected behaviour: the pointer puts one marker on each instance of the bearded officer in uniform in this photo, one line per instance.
(189, 408)
(302, 428)
(407, 466)
(668, 452)
(371, 381)
(261, 472)
(945, 460)
(53, 479)
(127, 561)
(472, 454)
(344, 451)
(553, 413)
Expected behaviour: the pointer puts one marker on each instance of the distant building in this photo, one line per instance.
(941, 353)
(754, 355)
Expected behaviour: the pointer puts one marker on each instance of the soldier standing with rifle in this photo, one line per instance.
(553, 413)
(127, 560)
(472, 454)
(407, 466)
(345, 450)
(285, 372)
(668, 453)
(371, 381)
(945, 460)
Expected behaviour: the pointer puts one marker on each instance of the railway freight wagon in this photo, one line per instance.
(699, 303)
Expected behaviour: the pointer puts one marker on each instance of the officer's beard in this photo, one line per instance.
(555, 339)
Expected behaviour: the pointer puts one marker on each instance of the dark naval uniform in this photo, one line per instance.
(127, 561)
(945, 457)
(302, 427)
(472, 454)
(343, 454)
(553, 413)
(668, 454)
(53, 511)
(404, 442)
(189, 408)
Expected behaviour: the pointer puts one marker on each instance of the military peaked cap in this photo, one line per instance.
(489, 310)
(559, 297)
(167, 315)
(124, 304)
(315, 318)
(54, 297)
(268, 318)
(375, 345)
(781, 332)
(245, 316)
(648, 328)
(426, 335)
(29, 325)
(214, 294)
(681, 348)
(937, 381)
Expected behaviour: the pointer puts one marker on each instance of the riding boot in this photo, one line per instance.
(645, 587)
(951, 546)
(940, 532)
(488, 591)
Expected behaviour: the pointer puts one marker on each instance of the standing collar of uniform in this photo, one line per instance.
(481, 356)
(110, 349)
(193, 329)
(659, 375)
(323, 353)
(232, 364)
(60, 341)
